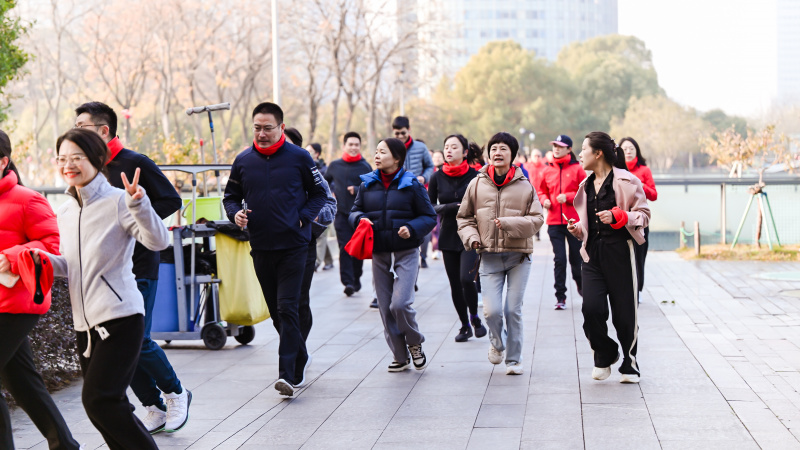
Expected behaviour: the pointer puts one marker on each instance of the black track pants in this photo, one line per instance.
(461, 269)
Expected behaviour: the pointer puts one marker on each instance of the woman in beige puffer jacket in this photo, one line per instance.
(498, 217)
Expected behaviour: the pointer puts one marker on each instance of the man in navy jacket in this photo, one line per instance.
(282, 188)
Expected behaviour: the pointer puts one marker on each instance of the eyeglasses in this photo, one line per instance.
(62, 161)
(259, 129)
(89, 125)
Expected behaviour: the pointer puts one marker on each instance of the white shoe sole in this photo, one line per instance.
(513, 370)
(401, 368)
(629, 379)
(284, 388)
(303, 380)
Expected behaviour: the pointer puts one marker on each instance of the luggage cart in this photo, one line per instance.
(197, 296)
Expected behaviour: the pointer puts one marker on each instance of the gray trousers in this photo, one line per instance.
(509, 270)
(395, 297)
(323, 252)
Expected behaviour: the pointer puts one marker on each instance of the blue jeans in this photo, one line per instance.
(154, 374)
(496, 270)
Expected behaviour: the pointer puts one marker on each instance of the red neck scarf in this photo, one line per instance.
(476, 165)
(409, 143)
(114, 147)
(632, 163)
(509, 175)
(351, 159)
(269, 151)
(456, 171)
(563, 160)
(388, 178)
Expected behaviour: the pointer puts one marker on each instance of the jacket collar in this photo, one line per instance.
(8, 182)
(484, 174)
(619, 174)
(572, 160)
(92, 192)
(406, 178)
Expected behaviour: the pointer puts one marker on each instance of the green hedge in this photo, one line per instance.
(53, 342)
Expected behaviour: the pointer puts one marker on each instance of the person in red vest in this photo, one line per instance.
(28, 223)
(638, 166)
(558, 184)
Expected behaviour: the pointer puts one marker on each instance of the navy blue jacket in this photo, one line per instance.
(163, 197)
(282, 190)
(405, 203)
(341, 175)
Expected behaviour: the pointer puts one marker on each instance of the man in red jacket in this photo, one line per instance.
(557, 185)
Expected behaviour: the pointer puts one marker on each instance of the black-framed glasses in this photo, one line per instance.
(258, 129)
(89, 125)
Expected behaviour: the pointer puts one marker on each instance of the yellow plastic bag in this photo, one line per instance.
(241, 301)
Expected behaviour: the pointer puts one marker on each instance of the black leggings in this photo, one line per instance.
(18, 374)
(460, 268)
(641, 255)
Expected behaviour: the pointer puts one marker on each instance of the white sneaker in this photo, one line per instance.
(495, 355)
(514, 369)
(155, 419)
(601, 373)
(284, 387)
(177, 410)
(303, 380)
(629, 378)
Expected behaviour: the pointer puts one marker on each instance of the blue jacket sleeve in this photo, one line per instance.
(312, 183)
(233, 191)
(327, 213)
(427, 165)
(425, 220)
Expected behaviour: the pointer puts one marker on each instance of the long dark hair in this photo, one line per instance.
(92, 145)
(5, 152)
(639, 158)
(602, 142)
(398, 150)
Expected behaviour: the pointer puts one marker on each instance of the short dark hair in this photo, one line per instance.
(317, 148)
(504, 138)
(294, 135)
(92, 145)
(602, 142)
(102, 112)
(350, 134)
(400, 122)
(5, 152)
(269, 108)
(397, 148)
(639, 158)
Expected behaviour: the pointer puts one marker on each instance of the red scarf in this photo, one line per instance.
(456, 171)
(632, 163)
(388, 178)
(563, 160)
(269, 151)
(351, 159)
(114, 147)
(409, 143)
(509, 175)
(476, 165)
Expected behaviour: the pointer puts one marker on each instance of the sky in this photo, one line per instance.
(709, 53)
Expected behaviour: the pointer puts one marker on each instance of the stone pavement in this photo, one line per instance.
(720, 369)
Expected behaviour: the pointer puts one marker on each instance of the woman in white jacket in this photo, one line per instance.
(99, 226)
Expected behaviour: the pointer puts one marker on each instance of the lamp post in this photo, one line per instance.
(522, 132)
(531, 137)
(276, 79)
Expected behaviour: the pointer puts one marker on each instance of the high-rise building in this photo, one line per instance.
(788, 32)
(543, 26)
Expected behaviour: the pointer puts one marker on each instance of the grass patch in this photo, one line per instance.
(743, 253)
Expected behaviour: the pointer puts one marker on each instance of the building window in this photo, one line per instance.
(501, 34)
(486, 34)
(531, 15)
(532, 34)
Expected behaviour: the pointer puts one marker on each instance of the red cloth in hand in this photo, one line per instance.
(37, 282)
(360, 245)
(620, 218)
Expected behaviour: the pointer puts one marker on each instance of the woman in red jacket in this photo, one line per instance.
(638, 166)
(26, 222)
(557, 185)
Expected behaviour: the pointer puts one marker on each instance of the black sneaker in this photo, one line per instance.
(328, 266)
(464, 333)
(399, 366)
(423, 264)
(420, 361)
(480, 330)
(349, 290)
(357, 286)
(374, 303)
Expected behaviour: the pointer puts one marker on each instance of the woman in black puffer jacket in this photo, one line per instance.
(397, 206)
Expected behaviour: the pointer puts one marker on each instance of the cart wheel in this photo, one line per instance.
(168, 341)
(214, 336)
(246, 335)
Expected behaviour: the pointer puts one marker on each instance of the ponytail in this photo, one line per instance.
(612, 153)
(475, 154)
(5, 151)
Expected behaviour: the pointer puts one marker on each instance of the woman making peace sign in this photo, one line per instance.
(99, 226)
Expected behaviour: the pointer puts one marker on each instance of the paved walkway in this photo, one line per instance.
(720, 369)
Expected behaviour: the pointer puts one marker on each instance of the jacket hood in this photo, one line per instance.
(96, 189)
(406, 178)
